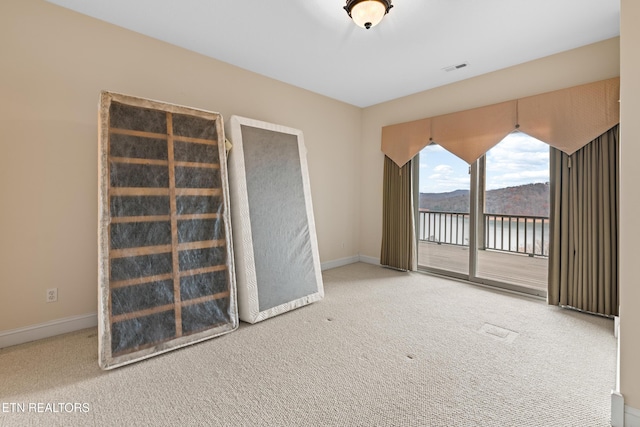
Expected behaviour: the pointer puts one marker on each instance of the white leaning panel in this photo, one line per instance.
(274, 235)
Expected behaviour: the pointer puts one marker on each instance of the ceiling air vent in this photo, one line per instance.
(456, 67)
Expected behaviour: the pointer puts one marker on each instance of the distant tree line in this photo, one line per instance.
(528, 199)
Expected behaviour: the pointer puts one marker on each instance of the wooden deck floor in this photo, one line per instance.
(504, 267)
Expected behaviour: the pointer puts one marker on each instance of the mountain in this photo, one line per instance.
(453, 201)
(528, 199)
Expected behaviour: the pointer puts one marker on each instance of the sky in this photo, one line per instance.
(518, 159)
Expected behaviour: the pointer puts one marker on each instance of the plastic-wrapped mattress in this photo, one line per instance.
(166, 274)
(274, 236)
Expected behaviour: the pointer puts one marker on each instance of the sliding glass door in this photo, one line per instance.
(443, 212)
(488, 222)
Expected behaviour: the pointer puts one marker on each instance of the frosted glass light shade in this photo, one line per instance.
(367, 13)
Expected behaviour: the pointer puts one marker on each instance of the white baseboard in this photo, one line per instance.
(349, 260)
(617, 409)
(339, 262)
(631, 416)
(47, 329)
(369, 260)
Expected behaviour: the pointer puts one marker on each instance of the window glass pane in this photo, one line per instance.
(443, 223)
(513, 223)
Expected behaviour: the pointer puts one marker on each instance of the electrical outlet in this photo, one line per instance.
(52, 295)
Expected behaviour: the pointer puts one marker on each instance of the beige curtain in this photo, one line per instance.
(583, 254)
(398, 234)
(569, 119)
(566, 119)
(403, 141)
(471, 133)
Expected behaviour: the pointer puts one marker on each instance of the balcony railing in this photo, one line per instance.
(444, 227)
(509, 233)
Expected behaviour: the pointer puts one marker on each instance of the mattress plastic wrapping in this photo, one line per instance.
(166, 272)
(275, 244)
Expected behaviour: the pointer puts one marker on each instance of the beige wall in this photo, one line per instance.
(54, 64)
(629, 203)
(587, 64)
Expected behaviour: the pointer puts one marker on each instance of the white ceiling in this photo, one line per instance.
(314, 45)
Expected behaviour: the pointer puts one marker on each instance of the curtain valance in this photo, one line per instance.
(566, 119)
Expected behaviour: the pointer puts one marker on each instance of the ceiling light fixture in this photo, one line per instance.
(367, 13)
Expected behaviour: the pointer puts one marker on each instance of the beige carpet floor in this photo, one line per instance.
(384, 348)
